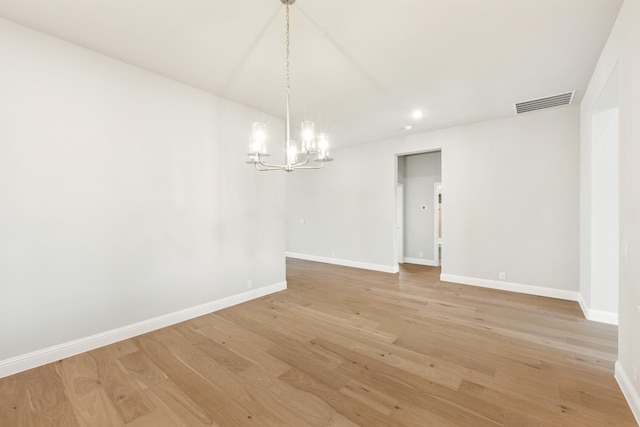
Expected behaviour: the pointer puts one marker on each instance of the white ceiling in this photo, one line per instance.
(358, 67)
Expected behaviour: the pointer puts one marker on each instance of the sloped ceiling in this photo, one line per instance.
(358, 67)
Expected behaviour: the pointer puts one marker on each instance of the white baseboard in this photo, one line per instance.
(597, 315)
(68, 349)
(421, 261)
(344, 262)
(512, 287)
(629, 391)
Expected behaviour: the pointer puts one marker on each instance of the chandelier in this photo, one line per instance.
(313, 148)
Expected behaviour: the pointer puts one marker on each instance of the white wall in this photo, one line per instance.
(124, 197)
(348, 209)
(422, 171)
(511, 203)
(599, 186)
(603, 301)
(622, 52)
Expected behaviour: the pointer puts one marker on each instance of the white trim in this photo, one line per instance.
(513, 287)
(399, 223)
(344, 262)
(597, 315)
(421, 261)
(629, 391)
(68, 349)
(436, 221)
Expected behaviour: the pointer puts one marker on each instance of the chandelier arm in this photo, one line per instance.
(296, 165)
(267, 168)
(303, 165)
(270, 165)
(288, 167)
(311, 167)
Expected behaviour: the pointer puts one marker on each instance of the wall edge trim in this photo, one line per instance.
(54, 353)
(597, 315)
(512, 287)
(629, 392)
(421, 261)
(344, 262)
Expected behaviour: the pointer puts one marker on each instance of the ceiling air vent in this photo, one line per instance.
(542, 103)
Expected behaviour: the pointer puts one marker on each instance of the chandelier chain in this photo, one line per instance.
(287, 44)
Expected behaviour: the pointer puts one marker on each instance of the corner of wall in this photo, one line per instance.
(597, 315)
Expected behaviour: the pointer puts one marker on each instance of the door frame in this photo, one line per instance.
(437, 243)
(399, 223)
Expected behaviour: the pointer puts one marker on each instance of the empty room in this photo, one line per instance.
(313, 213)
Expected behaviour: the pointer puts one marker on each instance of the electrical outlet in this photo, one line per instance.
(503, 275)
(635, 375)
(421, 254)
(249, 284)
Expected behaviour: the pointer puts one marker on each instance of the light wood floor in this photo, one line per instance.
(343, 347)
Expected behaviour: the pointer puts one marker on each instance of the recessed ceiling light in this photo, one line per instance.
(417, 114)
(408, 127)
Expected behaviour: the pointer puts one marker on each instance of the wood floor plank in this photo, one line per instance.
(251, 346)
(227, 358)
(202, 390)
(171, 400)
(14, 402)
(313, 410)
(90, 403)
(177, 407)
(410, 388)
(352, 409)
(375, 399)
(343, 347)
(61, 415)
(47, 398)
(139, 367)
(44, 388)
(125, 393)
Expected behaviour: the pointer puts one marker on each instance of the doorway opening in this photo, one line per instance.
(419, 209)
(599, 290)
